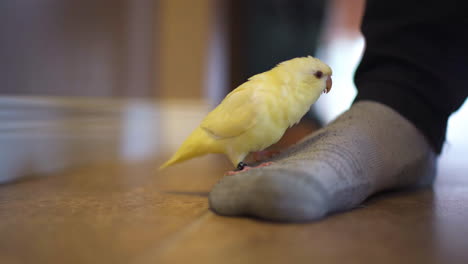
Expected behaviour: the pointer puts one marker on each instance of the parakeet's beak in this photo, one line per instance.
(329, 85)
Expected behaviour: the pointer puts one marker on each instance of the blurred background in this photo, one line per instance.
(82, 81)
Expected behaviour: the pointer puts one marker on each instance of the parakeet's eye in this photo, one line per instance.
(318, 74)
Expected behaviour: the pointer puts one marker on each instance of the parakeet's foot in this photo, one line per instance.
(264, 155)
(229, 173)
(242, 167)
(368, 149)
(264, 164)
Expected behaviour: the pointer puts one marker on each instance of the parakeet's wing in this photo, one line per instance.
(235, 115)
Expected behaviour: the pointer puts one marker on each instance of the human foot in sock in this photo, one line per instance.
(368, 149)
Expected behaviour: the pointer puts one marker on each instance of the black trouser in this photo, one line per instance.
(416, 61)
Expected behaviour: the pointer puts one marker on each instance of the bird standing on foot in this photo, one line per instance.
(256, 114)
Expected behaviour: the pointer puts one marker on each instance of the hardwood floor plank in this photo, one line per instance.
(98, 214)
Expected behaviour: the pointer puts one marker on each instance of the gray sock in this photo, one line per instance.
(367, 149)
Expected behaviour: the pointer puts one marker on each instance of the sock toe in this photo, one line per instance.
(271, 193)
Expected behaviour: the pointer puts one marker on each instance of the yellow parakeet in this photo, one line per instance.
(257, 113)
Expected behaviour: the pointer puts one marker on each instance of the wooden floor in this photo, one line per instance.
(127, 212)
(114, 213)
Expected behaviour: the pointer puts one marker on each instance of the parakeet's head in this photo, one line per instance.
(311, 70)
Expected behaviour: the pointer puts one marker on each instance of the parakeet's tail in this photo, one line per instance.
(197, 144)
(179, 156)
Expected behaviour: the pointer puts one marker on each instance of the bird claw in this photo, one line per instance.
(264, 164)
(246, 168)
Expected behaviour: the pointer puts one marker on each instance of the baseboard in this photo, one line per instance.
(41, 135)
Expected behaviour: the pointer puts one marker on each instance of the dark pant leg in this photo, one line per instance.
(416, 61)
